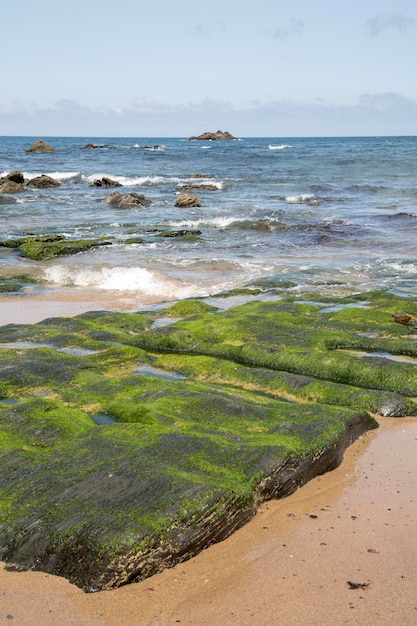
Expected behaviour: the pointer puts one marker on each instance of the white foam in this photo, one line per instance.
(131, 279)
(304, 198)
(132, 181)
(281, 147)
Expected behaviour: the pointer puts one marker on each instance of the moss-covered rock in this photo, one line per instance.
(39, 248)
(205, 419)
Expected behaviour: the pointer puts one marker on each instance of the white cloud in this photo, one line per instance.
(373, 114)
(390, 20)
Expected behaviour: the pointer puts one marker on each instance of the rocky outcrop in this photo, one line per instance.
(40, 146)
(42, 182)
(219, 135)
(186, 200)
(10, 186)
(16, 177)
(105, 183)
(128, 200)
(209, 417)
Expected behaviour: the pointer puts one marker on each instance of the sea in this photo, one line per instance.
(278, 215)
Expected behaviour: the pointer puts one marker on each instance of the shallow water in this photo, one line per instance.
(332, 215)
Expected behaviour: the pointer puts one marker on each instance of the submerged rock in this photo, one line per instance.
(40, 146)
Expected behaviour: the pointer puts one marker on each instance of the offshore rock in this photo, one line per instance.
(42, 182)
(393, 407)
(105, 182)
(187, 200)
(219, 135)
(16, 177)
(40, 146)
(198, 187)
(128, 200)
(10, 187)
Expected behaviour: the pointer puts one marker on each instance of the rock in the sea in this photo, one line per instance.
(7, 200)
(220, 135)
(128, 200)
(186, 200)
(15, 176)
(106, 183)
(198, 187)
(40, 146)
(11, 187)
(43, 182)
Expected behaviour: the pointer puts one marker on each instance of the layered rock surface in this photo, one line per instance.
(128, 445)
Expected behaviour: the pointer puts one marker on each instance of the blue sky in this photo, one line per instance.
(252, 67)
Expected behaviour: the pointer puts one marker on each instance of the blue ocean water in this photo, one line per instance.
(328, 215)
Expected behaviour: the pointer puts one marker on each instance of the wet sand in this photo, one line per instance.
(291, 564)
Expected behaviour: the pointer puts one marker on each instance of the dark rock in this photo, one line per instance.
(106, 183)
(128, 201)
(43, 182)
(16, 177)
(91, 146)
(393, 407)
(219, 135)
(179, 233)
(40, 146)
(197, 187)
(186, 200)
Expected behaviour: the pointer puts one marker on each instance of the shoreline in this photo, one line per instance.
(290, 564)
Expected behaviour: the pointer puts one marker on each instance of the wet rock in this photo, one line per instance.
(106, 183)
(128, 201)
(42, 182)
(187, 200)
(15, 176)
(10, 187)
(197, 187)
(7, 200)
(40, 146)
(179, 233)
(393, 407)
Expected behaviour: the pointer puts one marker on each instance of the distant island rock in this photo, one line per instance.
(220, 135)
(40, 146)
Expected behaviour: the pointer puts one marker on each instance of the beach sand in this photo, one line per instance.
(291, 564)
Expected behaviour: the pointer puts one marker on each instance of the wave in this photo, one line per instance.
(131, 279)
(283, 146)
(304, 198)
(133, 181)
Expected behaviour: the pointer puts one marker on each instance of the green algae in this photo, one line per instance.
(268, 397)
(39, 248)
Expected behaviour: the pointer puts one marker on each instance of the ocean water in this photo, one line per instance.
(328, 215)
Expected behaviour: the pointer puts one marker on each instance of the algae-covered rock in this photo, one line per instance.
(39, 248)
(205, 419)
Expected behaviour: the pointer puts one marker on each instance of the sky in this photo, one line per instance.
(173, 69)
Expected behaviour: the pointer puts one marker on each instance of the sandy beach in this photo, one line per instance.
(295, 563)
